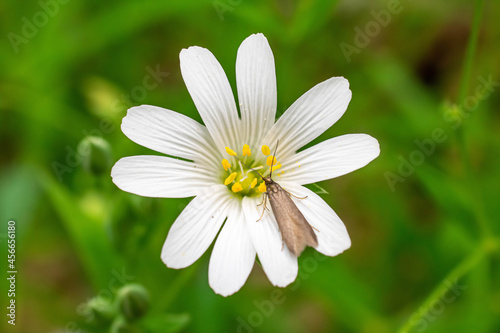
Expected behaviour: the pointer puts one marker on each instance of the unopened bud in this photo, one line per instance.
(100, 311)
(133, 301)
(96, 155)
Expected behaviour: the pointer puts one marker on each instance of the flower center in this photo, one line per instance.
(242, 173)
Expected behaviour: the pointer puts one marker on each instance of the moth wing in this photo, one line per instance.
(295, 230)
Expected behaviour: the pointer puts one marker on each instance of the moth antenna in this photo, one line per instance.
(250, 168)
(257, 173)
(274, 156)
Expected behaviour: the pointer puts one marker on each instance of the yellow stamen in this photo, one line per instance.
(230, 179)
(226, 165)
(254, 182)
(271, 160)
(246, 150)
(230, 151)
(276, 167)
(262, 187)
(265, 150)
(236, 187)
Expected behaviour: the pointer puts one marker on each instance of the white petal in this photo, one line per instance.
(278, 263)
(170, 133)
(233, 255)
(256, 82)
(312, 114)
(331, 158)
(211, 93)
(196, 227)
(331, 232)
(160, 176)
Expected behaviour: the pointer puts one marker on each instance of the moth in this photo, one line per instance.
(296, 232)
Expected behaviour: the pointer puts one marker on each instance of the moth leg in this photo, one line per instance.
(264, 201)
(295, 195)
(314, 228)
(263, 198)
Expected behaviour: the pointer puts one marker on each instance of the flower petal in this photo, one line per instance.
(211, 93)
(170, 133)
(233, 255)
(196, 227)
(331, 232)
(312, 114)
(256, 82)
(278, 263)
(331, 158)
(160, 176)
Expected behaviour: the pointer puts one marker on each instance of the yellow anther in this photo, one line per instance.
(226, 165)
(262, 187)
(230, 151)
(230, 179)
(271, 160)
(236, 187)
(254, 182)
(265, 150)
(276, 167)
(246, 150)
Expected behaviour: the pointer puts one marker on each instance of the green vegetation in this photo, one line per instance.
(423, 216)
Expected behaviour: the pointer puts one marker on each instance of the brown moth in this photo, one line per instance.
(296, 232)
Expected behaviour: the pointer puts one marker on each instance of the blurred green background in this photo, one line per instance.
(423, 217)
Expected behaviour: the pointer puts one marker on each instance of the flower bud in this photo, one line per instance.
(103, 98)
(99, 311)
(96, 155)
(120, 325)
(133, 301)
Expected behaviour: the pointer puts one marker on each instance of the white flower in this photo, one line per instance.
(225, 189)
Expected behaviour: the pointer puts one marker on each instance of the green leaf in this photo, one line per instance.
(88, 234)
(168, 323)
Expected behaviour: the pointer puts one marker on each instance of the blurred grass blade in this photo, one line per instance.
(88, 235)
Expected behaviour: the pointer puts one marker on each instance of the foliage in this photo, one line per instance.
(422, 216)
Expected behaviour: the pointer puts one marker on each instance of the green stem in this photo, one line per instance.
(88, 235)
(489, 244)
(450, 280)
(176, 286)
(475, 192)
(470, 50)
